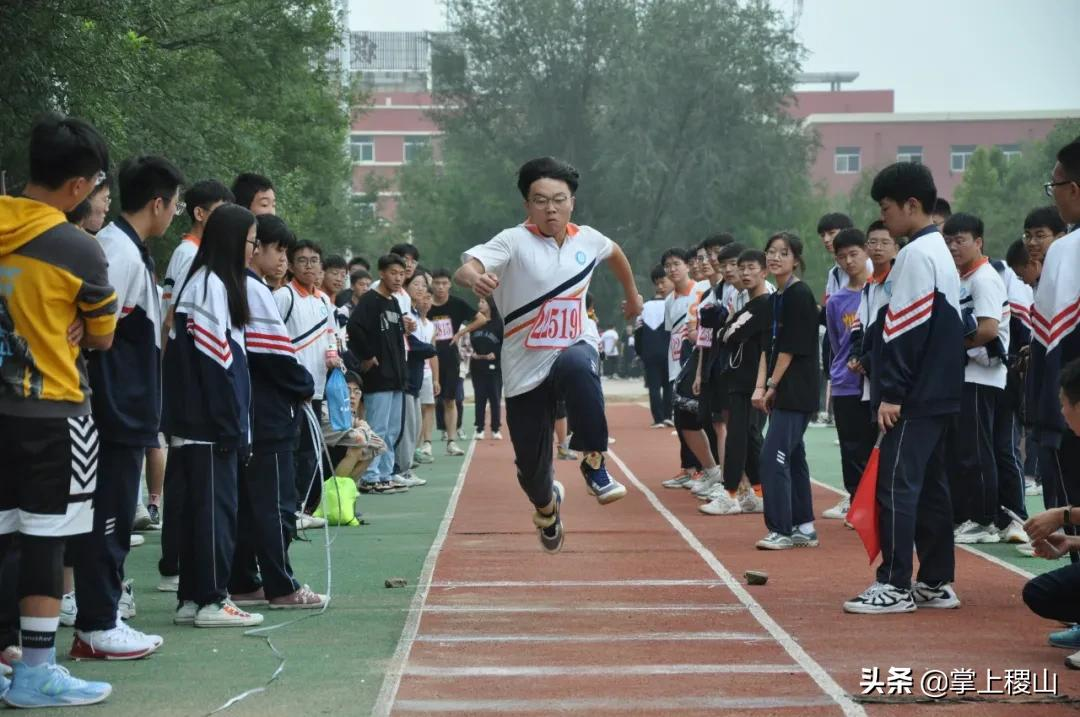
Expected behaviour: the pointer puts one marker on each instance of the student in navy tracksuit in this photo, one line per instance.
(916, 383)
(280, 386)
(126, 400)
(206, 417)
(651, 341)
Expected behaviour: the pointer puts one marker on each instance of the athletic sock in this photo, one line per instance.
(155, 499)
(733, 493)
(757, 490)
(38, 636)
(594, 459)
(807, 528)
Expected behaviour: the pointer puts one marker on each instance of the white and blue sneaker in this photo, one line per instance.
(51, 685)
(881, 599)
(550, 527)
(599, 482)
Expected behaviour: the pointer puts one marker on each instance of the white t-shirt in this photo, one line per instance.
(984, 291)
(541, 295)
(177, 271)
(425, 332)
(676, 313)
(610, 341)
(838, 279)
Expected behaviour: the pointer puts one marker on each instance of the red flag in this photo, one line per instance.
(863, 513)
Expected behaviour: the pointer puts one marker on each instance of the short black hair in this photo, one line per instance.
(354, 378)
(1070, 381)
(718, 241)
(731, 251)
(441, 274)
(1069, 158)
(303, 244)
(204, 193)
(359, 261)
(676, 253)
(942, 207)
(406, 249)
(334, 261)
(271, 230)
(755, 255)
(657, 274)
(833, 220)
(247, 185)
(876, 225)
(546, 168)
(63, 148)
(964, 222)
(904, 180)
(1047, 217)
(357, 275)
(848, 237)
(1017, 254)
(389, 260)
(146, 178)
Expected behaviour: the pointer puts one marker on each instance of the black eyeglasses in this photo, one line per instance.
(1048, 187)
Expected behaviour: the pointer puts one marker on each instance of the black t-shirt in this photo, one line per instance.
(488, 340)
(448, 318)
(795, 331)
(750, 332)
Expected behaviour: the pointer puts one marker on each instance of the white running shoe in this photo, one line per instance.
(707, 482)
(136, 540)
(1013, 533)
(412, 480)
(185, 614)
(751, 502)
(881, 599)
(169, 583)
(226, 614)
(481, 435)
(126, 605)
(678, 481)
(943, 596)
(721, 505)
(1026, 549)
(426, 448)
(971, 533)
(119, 643)
(68, 609)
(838, 511)
(452, 449)
(142, 519)
(306, 522)
(1032, 486)
(497, 435)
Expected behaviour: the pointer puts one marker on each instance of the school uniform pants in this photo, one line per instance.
(656, 380)
(1055, 595)
(785, 476)
(530, 417)
(202, 479)
(487, 390)
(308, 455)
(1010, 467)
(1059, 469)
(384, 414)
(410, 432)
(98, 556)
(913, 498)
(857, 433)
(266, 490)
(742, 449)
(974, 475)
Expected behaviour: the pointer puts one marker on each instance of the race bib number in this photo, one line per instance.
(558, 325)
(704, 337)
(676, 344)
(444, 329)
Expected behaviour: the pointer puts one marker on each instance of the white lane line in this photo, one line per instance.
(599, 670)
(392, 679)
(560, 609)
(968, 548)
(454, 584)
(595, 637)
(824, 680)
(601, 704)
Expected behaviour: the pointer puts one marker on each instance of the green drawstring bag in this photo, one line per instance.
(338, 504)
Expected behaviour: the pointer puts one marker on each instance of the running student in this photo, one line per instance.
(917, 377)
(56, 277)
(538, 274)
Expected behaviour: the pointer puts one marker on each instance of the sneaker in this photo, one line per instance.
(550, 527)
(943, 596)
(775, 541)
(169, 583)
(1069, 638)
(136, 540)
(481, 435)
(1073, 661)
(118, 643)
(68, 609)
(387, 488)
(51, 685)
(155, 516)
(422, 458)
(669, 423)
(695, 479)
(599, 483)
(1026, 549)
(679, 481)
(302, 599)
(721, 505)
(155, 640)
(971, 533)
(426, 449)
(1032, 486)
(398, 481)
(565, 454)
(452, 449)
(804, 540)
(305, 521)
(225, 614)
(751, 502)
(185, 614)
(142, 518)
(838, 511)
(412, 480)
(251, 599)
(707, 482)
(1013, 533)
(880, 599)
(497, 435)
(126, 605)
(715, 492)
(658, 425)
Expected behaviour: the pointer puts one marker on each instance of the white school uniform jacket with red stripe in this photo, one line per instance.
(1056, 341)
(919, 362)
(309, 319)
(177, 270)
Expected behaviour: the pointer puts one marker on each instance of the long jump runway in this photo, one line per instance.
(645, 612)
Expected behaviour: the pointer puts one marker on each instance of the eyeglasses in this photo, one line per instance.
(879, 242)
(1048, 187)
(307, 261)
(778, 253)
(253, 242)
(541, 202)
(180, 207)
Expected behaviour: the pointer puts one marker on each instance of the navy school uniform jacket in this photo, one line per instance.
(279, 384)
(126, 379)
(651, 340)
(207, 385)
(919, 362)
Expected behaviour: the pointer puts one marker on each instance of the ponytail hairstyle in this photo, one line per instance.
(794, 245)
(222, 252)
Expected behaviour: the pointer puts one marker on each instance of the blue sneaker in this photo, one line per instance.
(550, 526)
(51, 685)
(1069, 638)
(600, 483)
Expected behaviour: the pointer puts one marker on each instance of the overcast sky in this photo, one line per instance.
(938, 55)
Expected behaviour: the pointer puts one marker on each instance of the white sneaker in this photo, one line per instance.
(715, 492)
(1026, 549)
(838, 511)
(126, 605)
(971, 533)
(942, 596)
(119, 643)
(751, 502)
(68, 609)
(142, 519)
(880, 599)
(721, 505)
(169, 583)
(412, 480)
(497, 435)
(306, 522)
(136, 540)
(426, 448)
(678, 481)
(1013, 533)
(1032, 486)
(481, 435)
(185, 614)
(225, 614)
(452, 449)
(706, 483)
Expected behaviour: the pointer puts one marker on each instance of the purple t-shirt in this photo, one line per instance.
(841, 314)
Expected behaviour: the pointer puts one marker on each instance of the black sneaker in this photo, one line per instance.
(155, 515)
(550, 527)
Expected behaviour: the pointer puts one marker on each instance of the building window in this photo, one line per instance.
(847, 160)
(909, 153)
(959, 157)
(1011, 151)
(413, 147)
(362, 147)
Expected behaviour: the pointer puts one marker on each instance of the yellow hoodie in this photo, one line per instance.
(50, 272)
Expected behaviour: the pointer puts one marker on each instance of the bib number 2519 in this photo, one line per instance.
(558, 325)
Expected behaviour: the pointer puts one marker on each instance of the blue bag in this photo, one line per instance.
(337, 401)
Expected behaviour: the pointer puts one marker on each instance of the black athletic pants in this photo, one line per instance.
(308, 454)
(974, 475)
(487, 388)
(742, 449)
(857, 433)
(656, 380)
